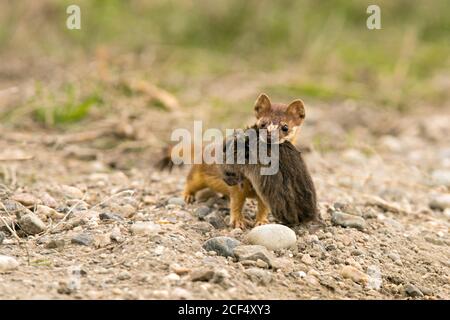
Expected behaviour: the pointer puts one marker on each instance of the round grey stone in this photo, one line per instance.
(223, 246)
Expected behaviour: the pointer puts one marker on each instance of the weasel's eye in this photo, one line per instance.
(263, 125)
(285, 128)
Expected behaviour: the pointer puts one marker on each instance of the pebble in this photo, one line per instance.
(102, 240)
(8, 263)
(55, 244)
(180, 293)
(179, 270)
(202, 275)
(254, 252)
(49, 201)
(223, 246)
(441, 177)
(350, 272)
(412, 291)
(48, 212)
(202, 212)
(145, 228)
(261, 264)
(306, 259)
(348, 220)
(2, 237)
(123, 275)
(26, 199)
(440, 202)
(71, 192)
(300, 274)
(272, 236)
(259, 276)
(434, 240)
(176, 201)
(216, 220)
(116, 235)
(110, 216)
(395, 258)
(374, 280)
(172, 277)
(84, 239)
(31, 224)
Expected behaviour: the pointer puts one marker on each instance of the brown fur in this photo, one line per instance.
(290, 193)
(203, 176)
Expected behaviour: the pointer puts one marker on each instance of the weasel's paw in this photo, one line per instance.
(189, 198)
(240, 223)
(261, 222)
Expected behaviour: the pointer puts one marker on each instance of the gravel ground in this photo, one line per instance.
(90, 224)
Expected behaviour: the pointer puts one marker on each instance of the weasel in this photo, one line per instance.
(285, 119)
(289, 194)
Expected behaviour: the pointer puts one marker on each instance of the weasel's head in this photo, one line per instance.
(281, 121)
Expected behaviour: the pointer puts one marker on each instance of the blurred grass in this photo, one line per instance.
(325, 43)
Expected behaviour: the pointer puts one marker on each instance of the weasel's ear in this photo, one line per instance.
(262, 104)
(296, 109)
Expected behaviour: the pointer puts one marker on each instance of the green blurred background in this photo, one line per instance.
(316, 50)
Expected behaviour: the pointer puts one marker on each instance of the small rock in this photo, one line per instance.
(71, 192)
(306, 259)
(205, 195)
(354, 274)
(254, 252)
(223, 246)
(8, 263)
(55, 244)
(374, 277)
(110, 216)
(179, 270)
(149, 200)
(272, 236)
(299, 274)
(216, 220)
(348, 220)
(48, 212)
(2, 237)
(180, 293)
(259, 276)
(441, 177)
(84, 239)
(124, 275)
(31, 224)
(145, 228)
(440, 202)
(202, 212)
(202, 275)
(261, 264)
(176, 201)
(26, 199)
(102, 240)
(172, 277)
(354, 156)
(434, 240)
(116, 235)
(49, 201)
(395, 257)
(412, 291)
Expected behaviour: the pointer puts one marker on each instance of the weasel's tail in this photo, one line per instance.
(171, 153)
(165, 162)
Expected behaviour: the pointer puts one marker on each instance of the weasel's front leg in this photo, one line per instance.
(237, 200)
(262, 213)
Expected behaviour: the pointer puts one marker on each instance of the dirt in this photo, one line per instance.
(377, 165)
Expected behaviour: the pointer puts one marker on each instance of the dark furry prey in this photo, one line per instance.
(290, 193)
